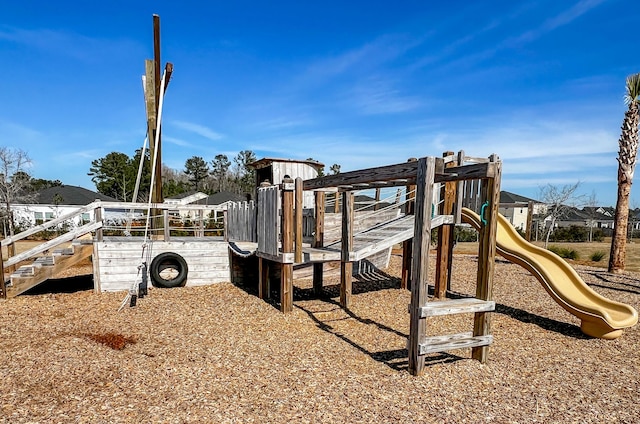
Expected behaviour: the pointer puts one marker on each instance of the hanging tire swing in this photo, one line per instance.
(168, 270)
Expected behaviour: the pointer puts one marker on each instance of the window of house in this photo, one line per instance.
(38, 217)
(48, 216)
(85, 218)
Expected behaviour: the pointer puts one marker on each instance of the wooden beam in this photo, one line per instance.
(286, 277)
(3, 287)
(346, 267)
(486, 258)
(445, 237)
(420, 267)
(318, 240)
(298, 220)
(467, 172)
(405, 170)
(405, 281)
(264, 289)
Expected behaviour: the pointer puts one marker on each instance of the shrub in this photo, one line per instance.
(565, 252)
(465, 234)
(597, 256)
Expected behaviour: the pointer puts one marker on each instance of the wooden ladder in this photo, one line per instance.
(445, 343)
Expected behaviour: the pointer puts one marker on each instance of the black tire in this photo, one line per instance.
(168, 260)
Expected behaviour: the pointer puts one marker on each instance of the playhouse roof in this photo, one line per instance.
(261, 163)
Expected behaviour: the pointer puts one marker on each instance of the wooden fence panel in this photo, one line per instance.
(241, 221)
(268, 222)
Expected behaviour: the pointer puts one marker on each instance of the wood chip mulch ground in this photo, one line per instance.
(218, 354)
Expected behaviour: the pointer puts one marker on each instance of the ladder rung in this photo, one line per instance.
(452, 341)
(456, 306)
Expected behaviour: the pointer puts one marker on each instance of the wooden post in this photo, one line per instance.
(376, 205)
(529, 220)
(165, 225)
(346, 267)
(264, 286)
(157, 198)
(97, 214)
(318, 241)
(286, 277)
(298, 219)
(3, 287)
(420, 267)
(336, 205)
(445, 238)
(407, 245)
(490, 190)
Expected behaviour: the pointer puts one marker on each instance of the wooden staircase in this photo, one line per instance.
(49, 266)
(48, 259)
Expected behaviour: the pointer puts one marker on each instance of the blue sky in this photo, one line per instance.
(361, 84)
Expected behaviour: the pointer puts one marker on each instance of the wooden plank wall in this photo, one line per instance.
(242, 221)
(268, 219)
(294, 170)
(116, 262)
(471, 195)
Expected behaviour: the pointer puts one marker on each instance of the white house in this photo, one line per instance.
(57, 201)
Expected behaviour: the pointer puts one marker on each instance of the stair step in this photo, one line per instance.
(456, 306)
(24, 271)
(452, 341)
(82, 241)
(65, 251)
(44, 261)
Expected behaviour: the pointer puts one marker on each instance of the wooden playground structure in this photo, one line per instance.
(437, 189)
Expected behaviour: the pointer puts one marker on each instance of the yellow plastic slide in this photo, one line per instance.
(601, 317)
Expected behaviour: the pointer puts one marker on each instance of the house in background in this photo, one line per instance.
(519, 209)
(57, 201)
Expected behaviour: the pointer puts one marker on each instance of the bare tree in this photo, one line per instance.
(591, 203)
(14, 182)
(559, 201)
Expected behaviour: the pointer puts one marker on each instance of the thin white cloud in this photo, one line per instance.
(198, 129)
(176, 141)
(372, 55)
(376, 96)
(562, 19)
(70, 44)
(18, 132)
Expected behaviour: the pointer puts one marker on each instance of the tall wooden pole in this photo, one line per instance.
(405, 282)
(346, 267)
(445, 238)
(286, 275)
(157, 192)
(420, 267)
(318, 241)
(486, 257)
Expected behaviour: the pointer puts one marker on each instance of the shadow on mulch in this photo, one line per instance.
(521, 315)
(610, 279)
(397, 359)
(62, 285)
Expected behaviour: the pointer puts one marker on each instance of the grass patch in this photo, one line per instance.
(597, 256)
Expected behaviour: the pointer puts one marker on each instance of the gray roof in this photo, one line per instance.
(69, 195)
(508, 197)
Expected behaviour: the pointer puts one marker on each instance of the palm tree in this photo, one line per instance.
(626, 166)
